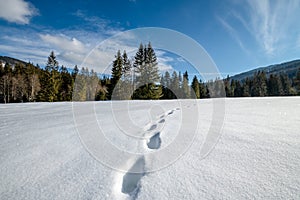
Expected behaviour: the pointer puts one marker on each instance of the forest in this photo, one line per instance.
(137, 79)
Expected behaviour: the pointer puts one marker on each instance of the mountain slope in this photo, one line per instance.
(290, 68)
(11, 61)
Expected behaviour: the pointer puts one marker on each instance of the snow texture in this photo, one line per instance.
(257, 156)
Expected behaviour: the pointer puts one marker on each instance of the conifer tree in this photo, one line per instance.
(195, 87)
(185, 85)
(50, 80)
(286, 84)
(297, 82)
(202, 90)
(247, 88)
(126, 79)
(175, 87)
(147, 74)
(116, 74)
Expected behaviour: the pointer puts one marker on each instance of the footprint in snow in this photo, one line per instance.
(162, 121)
(155, 141)
(171, 112)
(132, 178)
(152, 127)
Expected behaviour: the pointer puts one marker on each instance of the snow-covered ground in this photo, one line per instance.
(84, 150)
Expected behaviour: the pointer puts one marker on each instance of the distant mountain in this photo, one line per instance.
(10, 61)
(290, 68)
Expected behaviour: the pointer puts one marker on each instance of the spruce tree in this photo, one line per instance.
(195, 87)
(297, 82)
(286, 84)
(50, 80)
(116, 74)
(166, 86)
(126, 81)
(185, 85)
(174, 87)
(147, 74)
(247, 88)
(259, 84)
(202, 89)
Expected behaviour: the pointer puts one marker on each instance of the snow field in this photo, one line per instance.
(42, 155)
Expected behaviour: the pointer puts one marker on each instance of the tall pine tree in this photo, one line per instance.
(146, 74)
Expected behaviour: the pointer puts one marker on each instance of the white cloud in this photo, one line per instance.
(272, 23)
(29, 54)
(64, 43)
(70, 50)
(164, 61)
(95, 54)
(18, 11)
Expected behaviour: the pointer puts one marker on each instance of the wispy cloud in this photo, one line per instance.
(17, 11)
(270, 22)
(105, 26)
(233, 33)
(164, 61)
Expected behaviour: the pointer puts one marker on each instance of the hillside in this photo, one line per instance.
(11, 61)
(289, 68)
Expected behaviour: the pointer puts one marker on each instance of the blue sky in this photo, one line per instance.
(237, 34)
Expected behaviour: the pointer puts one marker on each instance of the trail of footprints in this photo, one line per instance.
(152, 131)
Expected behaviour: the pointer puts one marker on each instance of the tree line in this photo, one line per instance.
(130, 79)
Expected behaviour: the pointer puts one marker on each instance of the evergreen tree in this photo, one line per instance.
(206, 92)
(80, 87)
(259, 84)
(232, 88)
(126, 79)
(116, 74)
(147, 74)
(185, 86)
(247, 88)
(274, 86)
(66, 86)
(166, 86)
(50, 80)
(175, 87)
(227, 86)
(52, 63)
(238, 90)
(286, 84)
(202, 90)
(297, 82)
(195, 87)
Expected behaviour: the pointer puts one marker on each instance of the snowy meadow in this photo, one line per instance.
(150, 150)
